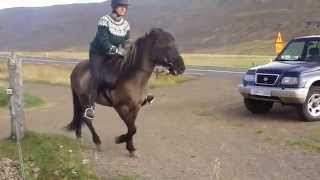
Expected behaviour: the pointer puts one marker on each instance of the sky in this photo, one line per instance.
(38, 3)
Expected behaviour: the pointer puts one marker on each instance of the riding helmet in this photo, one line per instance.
(115, 3)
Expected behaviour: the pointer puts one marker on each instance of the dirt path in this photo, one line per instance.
(197, 130)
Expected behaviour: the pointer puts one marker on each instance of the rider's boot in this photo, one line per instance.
(150, 98)
(89, 112)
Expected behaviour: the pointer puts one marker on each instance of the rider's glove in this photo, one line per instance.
(113, 50)
(121, 51)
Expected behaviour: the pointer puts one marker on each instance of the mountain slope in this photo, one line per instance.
(197, 24)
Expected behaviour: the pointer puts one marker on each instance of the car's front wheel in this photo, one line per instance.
(258, 106)
(310, 109)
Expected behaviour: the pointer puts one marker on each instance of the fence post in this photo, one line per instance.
(15, 93)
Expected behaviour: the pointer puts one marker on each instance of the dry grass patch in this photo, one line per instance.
(58, 54)
(222, 60)
(311, 142)
(50, 74)
(60, 75)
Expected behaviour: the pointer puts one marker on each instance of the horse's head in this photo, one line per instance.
(164, 51)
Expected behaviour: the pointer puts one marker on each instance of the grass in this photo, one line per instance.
(33, 101)
(56, 156)
(164, 80)
(236, 56)
(60, 75)
(306, 143)
(259, 132)
(57, 54)
(311, 142)
(255, 47)
(49, 74)
(3, 98)
(135, 177)
(229, 61)
(29, 100)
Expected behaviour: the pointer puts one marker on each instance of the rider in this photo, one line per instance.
(113, 32)
(112, 35)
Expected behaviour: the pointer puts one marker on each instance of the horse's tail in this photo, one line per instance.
(77, 113)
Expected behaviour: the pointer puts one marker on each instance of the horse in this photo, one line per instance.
(156, 48)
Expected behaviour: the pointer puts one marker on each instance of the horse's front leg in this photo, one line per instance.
(128, 114)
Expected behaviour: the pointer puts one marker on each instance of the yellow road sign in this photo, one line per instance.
(279, 43)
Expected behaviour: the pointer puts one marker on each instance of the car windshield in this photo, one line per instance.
(301, 50)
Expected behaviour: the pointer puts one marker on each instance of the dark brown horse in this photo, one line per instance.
(155, 48)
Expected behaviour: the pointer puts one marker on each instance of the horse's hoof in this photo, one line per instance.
(98, 147)
(133, 154)
(117, 140)
(79, 140)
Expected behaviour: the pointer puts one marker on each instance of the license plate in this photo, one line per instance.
(260, 92)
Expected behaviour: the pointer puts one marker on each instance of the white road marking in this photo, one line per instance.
(193, 70)
(216, 71)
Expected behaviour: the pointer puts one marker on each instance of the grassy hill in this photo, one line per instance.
(228, 26)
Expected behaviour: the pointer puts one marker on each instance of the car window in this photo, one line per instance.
(293, 51)
(313, 50)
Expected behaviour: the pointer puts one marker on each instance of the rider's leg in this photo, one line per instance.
(90, 110)
(110, 72)
(94, 63)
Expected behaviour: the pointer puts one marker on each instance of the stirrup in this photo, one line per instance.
(150, 99)
(86, 113)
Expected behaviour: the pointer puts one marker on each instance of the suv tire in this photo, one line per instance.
(257, 106)
(310, 110)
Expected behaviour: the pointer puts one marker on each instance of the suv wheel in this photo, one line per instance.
(310, 109)
(257, 106)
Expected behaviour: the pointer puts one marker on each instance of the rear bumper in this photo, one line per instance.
(290, 96)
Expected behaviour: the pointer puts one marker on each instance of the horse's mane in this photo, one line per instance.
(120, 68)
(133, 59)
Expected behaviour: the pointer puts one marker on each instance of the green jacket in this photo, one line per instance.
(110, 33)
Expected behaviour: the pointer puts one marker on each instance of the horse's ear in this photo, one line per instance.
(154, 33)
(155, 30)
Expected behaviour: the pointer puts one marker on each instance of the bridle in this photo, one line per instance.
(166, 63)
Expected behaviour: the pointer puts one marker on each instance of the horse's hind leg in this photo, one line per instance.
(88, 122)
(95, 137)
(128, 115)
(78, 128)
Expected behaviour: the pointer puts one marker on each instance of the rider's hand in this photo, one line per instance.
(121, 51)
(113, 50)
